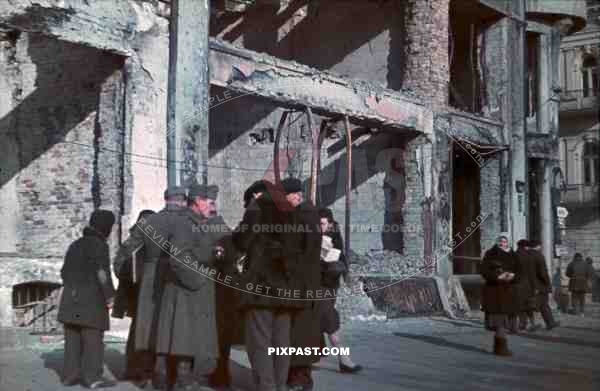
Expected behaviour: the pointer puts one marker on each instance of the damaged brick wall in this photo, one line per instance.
(426, 70)
(82, 128)
(327, 35)
(60, 108)
(61, 113)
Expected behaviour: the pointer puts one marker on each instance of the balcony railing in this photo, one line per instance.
(579, 100)
(580, 194)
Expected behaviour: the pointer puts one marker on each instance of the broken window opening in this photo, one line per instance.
(466, 90)
(532, 88)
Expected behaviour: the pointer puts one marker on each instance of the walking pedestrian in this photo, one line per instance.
(500, 269)
(331, 272)
(541, 284)
(526, 287)
(579, 273)
(88, 293)
(128, 267)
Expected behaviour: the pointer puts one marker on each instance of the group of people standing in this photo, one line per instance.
(184, 322)
(517, 285)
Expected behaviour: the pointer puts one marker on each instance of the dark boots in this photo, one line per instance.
(501, 347)
(221, 376)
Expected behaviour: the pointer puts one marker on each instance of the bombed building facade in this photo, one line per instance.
(580, 137)
(450, 109)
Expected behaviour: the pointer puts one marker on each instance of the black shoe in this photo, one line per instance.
(69, 382)
(347, 369)
(552, 326)
(101, 383)
(533, 327)
(300, 387)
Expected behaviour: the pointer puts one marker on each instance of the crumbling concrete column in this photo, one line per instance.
(426, 70)
(188, 94)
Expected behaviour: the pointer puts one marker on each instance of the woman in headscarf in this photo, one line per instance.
(500, 269)
(331, 271)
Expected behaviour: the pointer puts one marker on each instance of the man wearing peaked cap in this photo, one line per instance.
(204, 191)
(175, 191)
(292, 185)
(202, 198)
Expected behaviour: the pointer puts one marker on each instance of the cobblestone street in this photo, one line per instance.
(402, 354)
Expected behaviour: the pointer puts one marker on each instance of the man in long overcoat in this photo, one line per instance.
(542, 285)
(500, 269)
(87, 295)
(306, 326)
(525, 294)
(230, 319)
(579, 273)
(150, 233)
(274, 272)
(187, 325)
(139, 364)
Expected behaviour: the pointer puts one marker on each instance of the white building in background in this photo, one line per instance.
(580, 136)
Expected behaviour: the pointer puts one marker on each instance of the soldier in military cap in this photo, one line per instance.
(147, 239)
(186, 327)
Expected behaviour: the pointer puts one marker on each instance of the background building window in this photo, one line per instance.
(533, 47)
(591, 163)
(589, 73)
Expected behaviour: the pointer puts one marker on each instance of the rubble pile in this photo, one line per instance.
(386, 262)
(357, 305)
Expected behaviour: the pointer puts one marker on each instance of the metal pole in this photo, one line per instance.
(348, 186)
(276, 173)
(315, 156)
(322, 132)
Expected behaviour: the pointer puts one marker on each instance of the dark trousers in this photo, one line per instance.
(578, 302)
(84, 353)
(140, 363)
(264, 329)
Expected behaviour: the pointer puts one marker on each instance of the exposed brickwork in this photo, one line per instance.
(426, 70)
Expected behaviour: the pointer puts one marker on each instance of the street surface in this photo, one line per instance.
(403, 354)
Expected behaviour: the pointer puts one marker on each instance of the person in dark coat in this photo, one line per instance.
(526, 286)
(230, 320)
(579, 273)
(155, 261)
(500, 269)
(542, 284)
(306, 328)
(139, 363)
(331, 272)
(186, 328)
(88, 293)
(273, 256)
